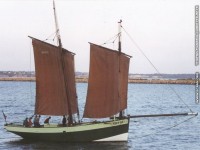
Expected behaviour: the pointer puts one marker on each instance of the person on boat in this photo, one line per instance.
(30, 122)
(36, 121)
(47, 120)
(64, 120)
(25, 123)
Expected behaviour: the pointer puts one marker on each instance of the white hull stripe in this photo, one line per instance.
(120, 137)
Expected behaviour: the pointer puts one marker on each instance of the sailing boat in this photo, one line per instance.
(56, 94)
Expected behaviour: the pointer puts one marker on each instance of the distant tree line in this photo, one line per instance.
(85, 74)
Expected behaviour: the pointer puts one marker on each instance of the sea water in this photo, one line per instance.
(160, 133)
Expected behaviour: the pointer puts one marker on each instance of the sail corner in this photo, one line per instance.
(30, 37)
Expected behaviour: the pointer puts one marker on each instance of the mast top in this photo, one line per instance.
(119, 36)
(57, 27)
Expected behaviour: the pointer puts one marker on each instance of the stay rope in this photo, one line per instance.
(30, 82)
(165, 129)
(138, 47)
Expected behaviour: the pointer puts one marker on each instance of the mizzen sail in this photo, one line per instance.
(108, 82)
(52, 94)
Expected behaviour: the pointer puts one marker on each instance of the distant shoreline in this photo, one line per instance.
(138, 81)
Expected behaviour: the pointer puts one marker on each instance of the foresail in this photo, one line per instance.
(52, 94)
(107, 84)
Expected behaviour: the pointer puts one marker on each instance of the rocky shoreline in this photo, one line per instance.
(138, 81)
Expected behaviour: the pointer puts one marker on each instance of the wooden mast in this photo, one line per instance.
(70, 119)
(56, 25)
(119, 36)
(119, 49)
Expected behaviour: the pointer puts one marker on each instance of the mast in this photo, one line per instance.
(119, 36)
(70, 120)
(56, 25)
(119, 49)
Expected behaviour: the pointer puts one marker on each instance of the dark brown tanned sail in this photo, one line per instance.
(108, 82)
(51, 91)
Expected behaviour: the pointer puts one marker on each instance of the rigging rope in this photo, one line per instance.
(155, 68)
(30, 84)
(53, 34)
(114, 37)
(175, 125)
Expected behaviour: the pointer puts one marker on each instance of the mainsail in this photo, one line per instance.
(108, 82)
(55, 85)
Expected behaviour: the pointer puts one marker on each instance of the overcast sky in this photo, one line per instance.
(163, 29)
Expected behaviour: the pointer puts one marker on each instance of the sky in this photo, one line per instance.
(162, 29)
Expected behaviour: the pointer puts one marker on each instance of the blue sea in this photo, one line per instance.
(161, 133)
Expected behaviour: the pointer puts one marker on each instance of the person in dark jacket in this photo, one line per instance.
(64, 120)
(30, 122)
(47, 120)
(25, 123)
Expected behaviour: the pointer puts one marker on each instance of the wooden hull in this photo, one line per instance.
(101, 131)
